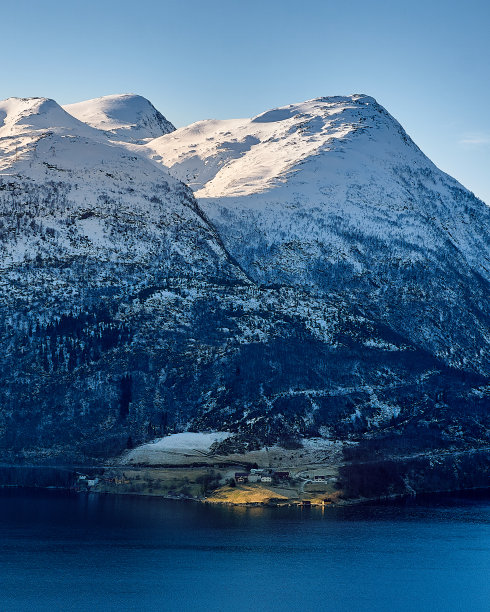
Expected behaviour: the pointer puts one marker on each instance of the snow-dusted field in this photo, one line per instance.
(191, 448)
(186, 443)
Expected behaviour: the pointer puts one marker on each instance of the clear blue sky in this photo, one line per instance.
(426, 61)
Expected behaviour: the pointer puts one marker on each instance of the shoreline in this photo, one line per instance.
(478, 492)
(284, 479)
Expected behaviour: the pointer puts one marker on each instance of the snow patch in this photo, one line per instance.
(187, 441)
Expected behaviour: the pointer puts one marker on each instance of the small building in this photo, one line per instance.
(321, 478)
(266, 479)
(241, 476)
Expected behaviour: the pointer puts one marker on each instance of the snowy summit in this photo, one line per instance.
(124, 117)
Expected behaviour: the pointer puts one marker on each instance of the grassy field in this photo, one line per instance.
(170, 482)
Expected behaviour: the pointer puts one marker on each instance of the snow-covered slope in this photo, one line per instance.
(88, 183)
(307, 171)
(24, 122)
(333, 196)
(239, 157)
(124, 117)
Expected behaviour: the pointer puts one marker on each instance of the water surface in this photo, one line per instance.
(66, 552)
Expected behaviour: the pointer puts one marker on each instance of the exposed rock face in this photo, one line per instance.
(341, 289)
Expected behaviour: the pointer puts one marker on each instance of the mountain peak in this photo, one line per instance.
(124, 117)
(317, 173)
(237, 157)
(38, 113)
(357, 97)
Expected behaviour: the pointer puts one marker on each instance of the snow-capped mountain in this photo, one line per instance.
(307, 171)
(125, 117)
(341, 289)
(331, 195)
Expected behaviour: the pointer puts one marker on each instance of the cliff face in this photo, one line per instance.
(339, 290)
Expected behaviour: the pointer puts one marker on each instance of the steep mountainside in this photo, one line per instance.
(344, 295)
(125, 117)
(331, 195)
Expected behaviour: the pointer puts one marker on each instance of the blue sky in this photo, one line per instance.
(427, 62)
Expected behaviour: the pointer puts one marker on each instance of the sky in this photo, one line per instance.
(427, 62)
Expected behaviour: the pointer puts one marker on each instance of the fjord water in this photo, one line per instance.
(66, 552)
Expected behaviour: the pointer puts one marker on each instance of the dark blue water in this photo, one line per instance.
(62, 552)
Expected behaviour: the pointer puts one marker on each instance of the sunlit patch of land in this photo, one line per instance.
(247, 494)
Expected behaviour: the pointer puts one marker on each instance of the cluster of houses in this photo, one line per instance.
(261, 475)
(267, 475)
(119, 480)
